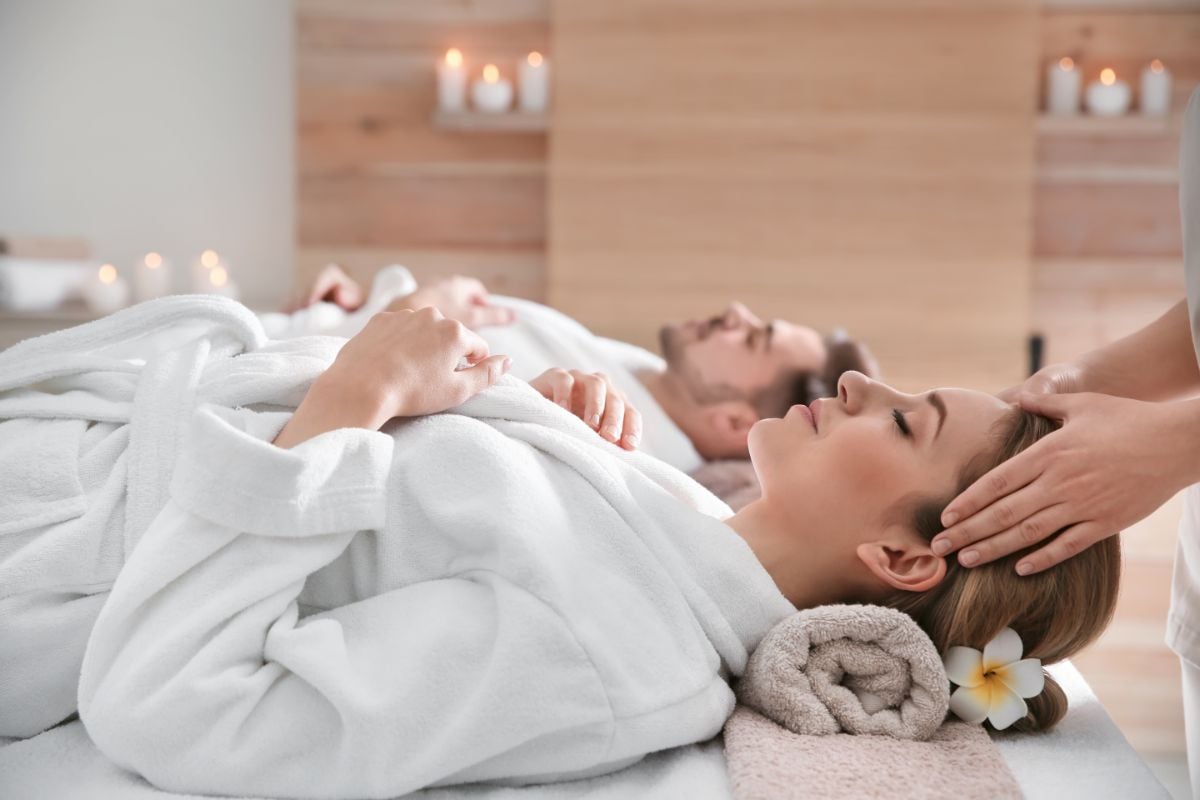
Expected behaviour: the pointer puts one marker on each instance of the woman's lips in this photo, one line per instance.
(807, 412)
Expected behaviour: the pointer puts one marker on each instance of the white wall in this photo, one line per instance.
(152, 125)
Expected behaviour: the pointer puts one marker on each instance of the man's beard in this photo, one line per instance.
(672, 348)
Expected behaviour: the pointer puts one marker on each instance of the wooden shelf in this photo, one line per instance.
(72, 314)
(1133, 124)
(483, 122)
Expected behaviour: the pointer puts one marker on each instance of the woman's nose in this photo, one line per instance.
(853, 388)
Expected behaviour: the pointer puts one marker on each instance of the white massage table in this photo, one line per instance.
(1084, 757)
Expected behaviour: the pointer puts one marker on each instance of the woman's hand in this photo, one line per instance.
(1113, 462)
(459, 298)
(331, 285)
(592, 397)
(1066, 378)
(402, 364)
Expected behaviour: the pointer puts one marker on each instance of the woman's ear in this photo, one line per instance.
(903, 563)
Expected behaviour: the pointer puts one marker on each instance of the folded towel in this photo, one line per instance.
(848, 668)
(767, 762)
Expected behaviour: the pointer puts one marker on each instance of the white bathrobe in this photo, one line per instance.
(539, 339)
(493, 593)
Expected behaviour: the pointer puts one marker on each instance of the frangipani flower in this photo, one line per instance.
(993, 683)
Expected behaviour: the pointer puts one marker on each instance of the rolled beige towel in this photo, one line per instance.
(848, 669)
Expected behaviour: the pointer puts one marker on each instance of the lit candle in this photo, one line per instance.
(452, 81)
(492, 93)
(220, 283)
(533, 81)
(1064, 80)
(201, 269)
(1156, 89)
(106, 291)
(1108, 96)
(151, 277)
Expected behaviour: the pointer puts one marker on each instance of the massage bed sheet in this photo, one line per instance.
(1085, 757)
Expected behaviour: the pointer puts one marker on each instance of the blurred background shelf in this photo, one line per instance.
(1087, 125)
(481, 122)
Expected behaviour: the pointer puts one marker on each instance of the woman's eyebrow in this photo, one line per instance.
(935, 400)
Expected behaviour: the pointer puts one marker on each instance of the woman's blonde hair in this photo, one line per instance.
(1056, 612)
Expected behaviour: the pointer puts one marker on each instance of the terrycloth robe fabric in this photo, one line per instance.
(491, 594)
(539, 339)
(849, 668)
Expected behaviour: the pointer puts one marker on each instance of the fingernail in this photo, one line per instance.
(949, 518)
(632, 440)
(941, 546)
(611, 434)
(505, 365)
(594, 420)
(1024, 568)
(968, 558)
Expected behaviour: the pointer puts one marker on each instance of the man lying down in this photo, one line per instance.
(717, 376)
(427, 573)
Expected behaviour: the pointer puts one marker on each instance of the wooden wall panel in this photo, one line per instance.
(856, 164)
(377, 180)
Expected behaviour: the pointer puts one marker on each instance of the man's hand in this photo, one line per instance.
(459, 298)
(402, 364)
(593, 398)
(331, 285)
(1113, 463)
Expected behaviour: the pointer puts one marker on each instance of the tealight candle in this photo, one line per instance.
(201, 267)
(452, 81)
(1156, 89)
(220, 283)
(106, 291)
(1108, 96)
(1063, 81)
(151, 277)
(533, 83)
(492, 93)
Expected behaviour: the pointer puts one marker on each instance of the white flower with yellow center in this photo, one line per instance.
(992, 684)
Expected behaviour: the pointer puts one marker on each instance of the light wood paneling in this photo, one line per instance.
(806, 159)
(376, 177)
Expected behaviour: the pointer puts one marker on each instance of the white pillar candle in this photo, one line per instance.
(452, 81)
(1063, 82)
(1108, 96)
(491, 93)
(151, 277)
(533, 83)
(106, 291)
(1156, 89)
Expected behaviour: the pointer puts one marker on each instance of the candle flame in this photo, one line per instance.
(209, 259)
(107, 273)
(1108, 77)
(491, 73)
(152, 260)
(1066, 64)
(454, 57)
(534, 59)
(1156, 66)
(218, 276)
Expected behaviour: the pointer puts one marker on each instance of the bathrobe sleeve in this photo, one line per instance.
(200, 676)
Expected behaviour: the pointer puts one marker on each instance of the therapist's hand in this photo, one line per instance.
(402, 364)
(592, 397)
(1054, 379)
(459, 298)
(1112, 463)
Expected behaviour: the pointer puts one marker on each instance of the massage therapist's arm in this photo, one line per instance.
(402, 364)
(1115, 461)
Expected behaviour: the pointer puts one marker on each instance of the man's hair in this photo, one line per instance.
(801, 387)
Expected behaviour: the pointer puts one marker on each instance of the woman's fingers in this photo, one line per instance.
(483, 374)
(631, 436)
(1029, 531)
(614, 417)
(1069, 543)
(591, 391)
(1007, 512)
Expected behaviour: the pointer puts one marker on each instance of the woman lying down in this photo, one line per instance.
(430, 574)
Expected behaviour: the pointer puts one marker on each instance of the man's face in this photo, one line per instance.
(737, 355)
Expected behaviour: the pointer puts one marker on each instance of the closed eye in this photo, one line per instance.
(902, 423)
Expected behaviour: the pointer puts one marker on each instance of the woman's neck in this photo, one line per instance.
(817, 578)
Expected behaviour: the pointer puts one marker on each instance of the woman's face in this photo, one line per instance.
(844, 463)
